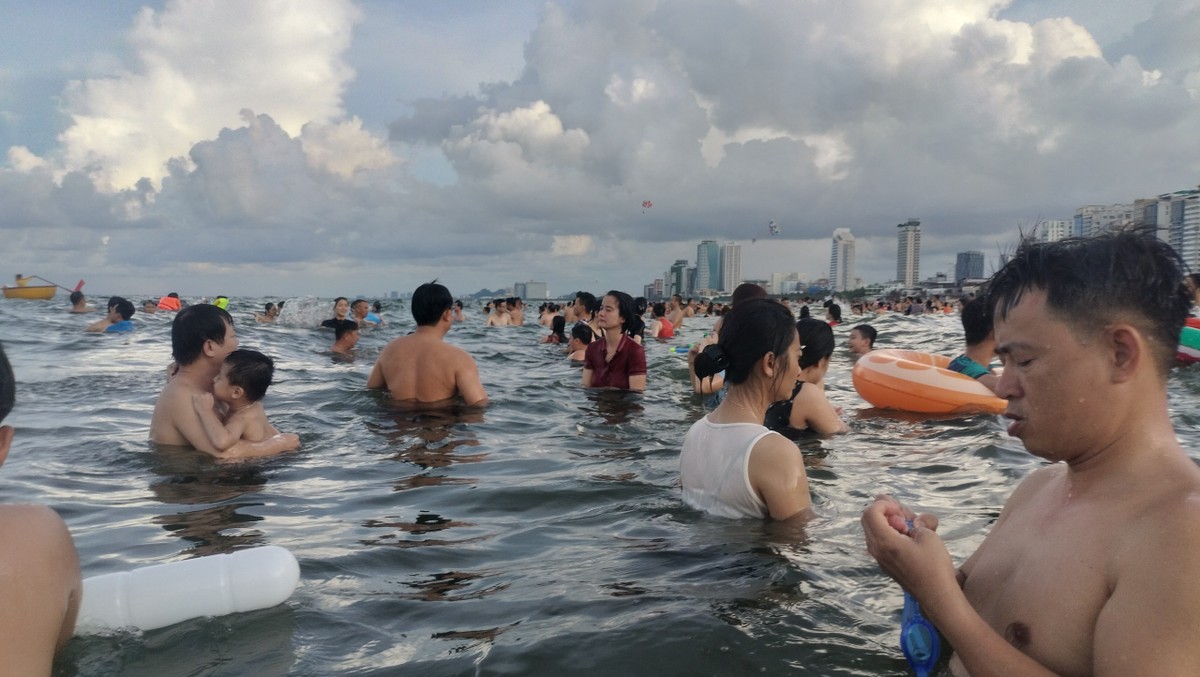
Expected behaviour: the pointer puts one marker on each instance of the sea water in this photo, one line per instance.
(544, 535)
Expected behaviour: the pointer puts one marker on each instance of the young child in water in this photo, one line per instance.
(240, 386)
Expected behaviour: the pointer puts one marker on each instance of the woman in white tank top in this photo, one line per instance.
(732, 466)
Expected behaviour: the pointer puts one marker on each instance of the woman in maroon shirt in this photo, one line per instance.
(616, 360)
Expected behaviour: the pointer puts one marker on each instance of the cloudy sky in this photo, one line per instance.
(337, 147)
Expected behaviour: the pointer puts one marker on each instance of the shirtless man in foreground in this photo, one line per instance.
(39, 571)
(201, 337)
(1091, 566)
(422, 367)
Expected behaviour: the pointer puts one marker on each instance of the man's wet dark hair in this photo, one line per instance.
(8, 386)
(582, 332)
(590, 303)
(816, 341)
(192, 327)
(251, 371)
(429, 301)
(125, 308)
(976, 321)
(659, 310)
(1091, 283)
(341, 327)
(76, 296)
(354, 304)
(835, 311)
(749, 331)
(868, 332)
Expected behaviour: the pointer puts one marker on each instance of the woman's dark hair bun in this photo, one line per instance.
(711, 361)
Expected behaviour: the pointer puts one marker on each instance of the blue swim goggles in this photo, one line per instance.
(918, 638)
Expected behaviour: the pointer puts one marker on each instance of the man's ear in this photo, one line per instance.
(1127, 349)
(6, 435)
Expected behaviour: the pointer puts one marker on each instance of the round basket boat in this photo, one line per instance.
(908, 380)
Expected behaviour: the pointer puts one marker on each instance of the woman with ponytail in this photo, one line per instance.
(808, 410)
(731, 465)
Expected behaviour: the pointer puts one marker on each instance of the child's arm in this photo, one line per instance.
(222, 436)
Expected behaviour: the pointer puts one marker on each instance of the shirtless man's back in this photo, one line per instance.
(421, 367)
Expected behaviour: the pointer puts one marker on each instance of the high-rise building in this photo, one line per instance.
(1154, 213)
(1053, 230)
(530, 290)
(708, 265)
(969, 266)
(908, 253)
(1091, 220)
(841, 260)
(731, 266)
(677, 278)
(654, 290)
(1184, 225)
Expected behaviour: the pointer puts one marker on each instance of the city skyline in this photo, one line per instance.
(361, 144)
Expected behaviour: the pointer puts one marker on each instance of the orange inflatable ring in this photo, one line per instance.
(911, 381)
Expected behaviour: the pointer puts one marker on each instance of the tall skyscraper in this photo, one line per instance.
(708, 265)
(841, 260)
(1184, 225)
(731, 266)
(969, 266)
(677, 278)
(908, 253)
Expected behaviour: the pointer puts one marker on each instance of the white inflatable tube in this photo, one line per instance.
(164, 594)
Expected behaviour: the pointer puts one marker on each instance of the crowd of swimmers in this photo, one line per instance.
(1089, 567)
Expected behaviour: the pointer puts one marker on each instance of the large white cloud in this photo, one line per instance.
(198, 65)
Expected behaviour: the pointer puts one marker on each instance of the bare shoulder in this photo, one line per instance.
(1036, 482)
(454, 352)
(35, 546)
(40, 582)
(28, 517)
(777, 453)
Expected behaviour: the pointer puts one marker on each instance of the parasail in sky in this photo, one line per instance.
(646, 204)
(773, 228)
